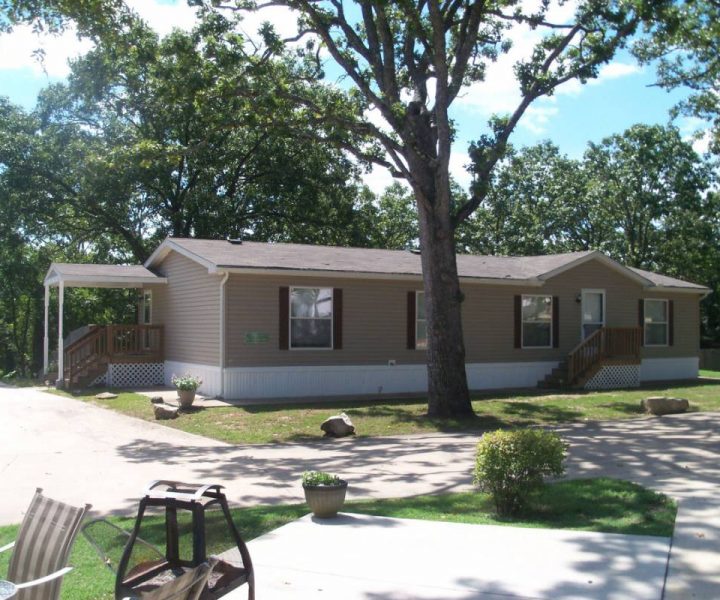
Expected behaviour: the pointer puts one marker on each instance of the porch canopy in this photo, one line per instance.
(62, 275)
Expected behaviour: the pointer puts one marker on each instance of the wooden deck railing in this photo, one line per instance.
(114, 344)
(606, 342)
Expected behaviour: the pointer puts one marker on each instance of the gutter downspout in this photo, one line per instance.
(223, 281)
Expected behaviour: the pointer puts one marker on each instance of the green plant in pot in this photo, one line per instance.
(324, 493)
(186, 386)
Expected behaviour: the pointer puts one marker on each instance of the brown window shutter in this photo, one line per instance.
(284, 319)
(518, 321)
(671, 323)
(641, 320)
(556, 322)
(411, 320)
(337, 318)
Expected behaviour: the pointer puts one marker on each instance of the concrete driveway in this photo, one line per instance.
(81, 453)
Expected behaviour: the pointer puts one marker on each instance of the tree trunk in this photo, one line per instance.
(448, 394)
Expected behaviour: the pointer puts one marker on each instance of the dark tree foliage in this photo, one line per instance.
(643, 197)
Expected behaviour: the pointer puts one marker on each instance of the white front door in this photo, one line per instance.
(592, 311)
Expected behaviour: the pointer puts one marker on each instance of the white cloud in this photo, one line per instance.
(697, 132)
(163, 18)
(458, 168)
(615, 70)
(378, 179)
(17, 48)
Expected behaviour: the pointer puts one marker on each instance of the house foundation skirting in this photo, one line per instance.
(211, 376)
(376, 380)
(366, 380)
(666, 369)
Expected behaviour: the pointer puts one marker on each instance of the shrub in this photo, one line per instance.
(511, 464)
(314, 478)
(187, 382)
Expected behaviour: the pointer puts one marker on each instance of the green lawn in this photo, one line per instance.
(586, 504)
(708, 373)
(296, 422)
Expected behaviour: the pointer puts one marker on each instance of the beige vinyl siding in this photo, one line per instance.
(686, 308)
(374, 318)
(488, 314)
(188, 306)
(374, 322)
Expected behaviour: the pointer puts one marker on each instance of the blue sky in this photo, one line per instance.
(622, 96)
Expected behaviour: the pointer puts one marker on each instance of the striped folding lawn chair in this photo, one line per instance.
(41, 551)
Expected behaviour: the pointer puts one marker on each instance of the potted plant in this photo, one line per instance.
(186, 386)
(324, 493)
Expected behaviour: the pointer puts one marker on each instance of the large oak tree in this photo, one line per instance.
(409, 61)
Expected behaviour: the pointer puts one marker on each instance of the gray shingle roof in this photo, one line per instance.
(305, 257)
(90, 270)
(665, 281)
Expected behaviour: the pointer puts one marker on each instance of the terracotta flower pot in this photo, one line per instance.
(325, 500)
(186, 398)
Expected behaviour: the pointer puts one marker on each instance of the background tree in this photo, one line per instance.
(643, 197)
(408, 61)
(146, 141)
(685, 42)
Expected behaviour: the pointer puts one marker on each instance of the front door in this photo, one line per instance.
(593, 311)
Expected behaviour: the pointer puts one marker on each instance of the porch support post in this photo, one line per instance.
(46, 338)
(61, 349)
(222, 349)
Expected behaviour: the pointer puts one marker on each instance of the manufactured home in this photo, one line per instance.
(265, 320)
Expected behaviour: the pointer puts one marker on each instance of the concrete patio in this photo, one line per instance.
(360, 557)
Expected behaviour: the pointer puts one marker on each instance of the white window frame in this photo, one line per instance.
(666, 322)
(418, 295)
(332, 318)
(582, 302)
(522, 322)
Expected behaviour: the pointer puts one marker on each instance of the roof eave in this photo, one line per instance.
(530, 282)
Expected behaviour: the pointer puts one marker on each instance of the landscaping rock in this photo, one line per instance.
(157, 400)
(106, 396)
(664, 405)
(338, 426)
(163, 411)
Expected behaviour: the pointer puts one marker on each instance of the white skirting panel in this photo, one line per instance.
(493, 376)
(211, 375)
(658, 369)
(363, 380)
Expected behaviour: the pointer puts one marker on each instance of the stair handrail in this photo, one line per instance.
(585, 354)
(86, 350)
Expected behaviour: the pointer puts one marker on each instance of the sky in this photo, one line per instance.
(620, 97)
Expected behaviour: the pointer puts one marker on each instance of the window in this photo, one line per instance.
(537, 321)
(146, 316)
(593, 311)
(311, 318)
(420, 322)
(656, 322)
(146, 307)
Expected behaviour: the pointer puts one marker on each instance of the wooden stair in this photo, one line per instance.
(88, 357)
(606, 346)
(557, 379)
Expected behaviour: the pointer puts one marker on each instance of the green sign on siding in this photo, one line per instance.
(256, 337)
